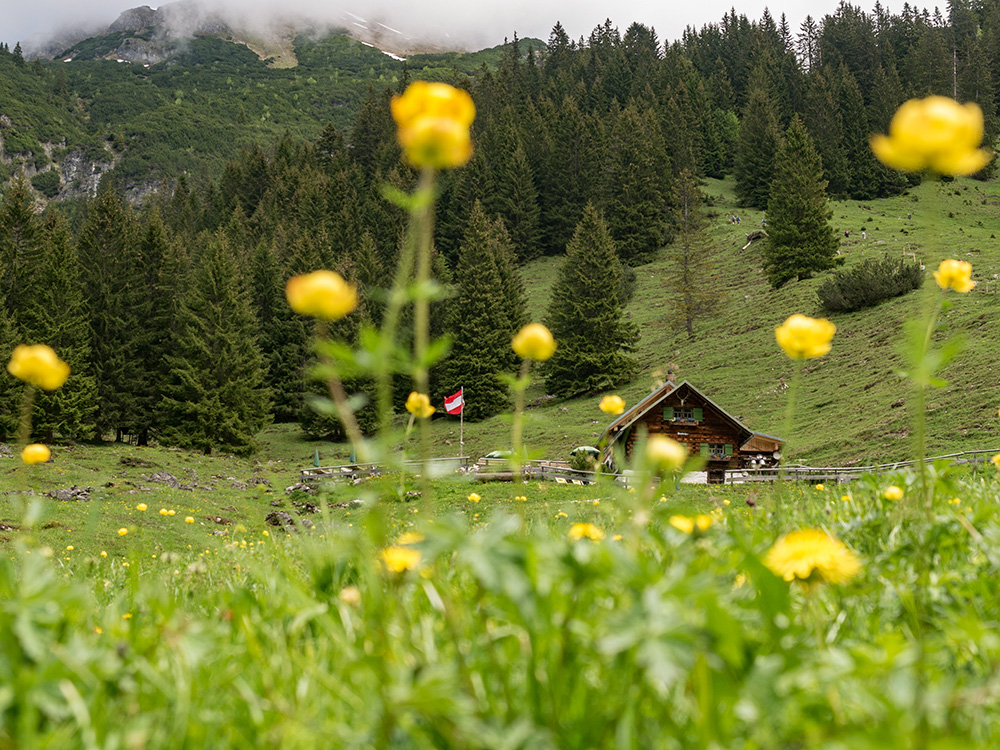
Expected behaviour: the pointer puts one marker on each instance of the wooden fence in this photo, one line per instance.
(844, 473)
(353, 471)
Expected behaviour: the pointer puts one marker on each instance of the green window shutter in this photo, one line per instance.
(729, 449)
(699, 414)
(704, 449)
(668, 414)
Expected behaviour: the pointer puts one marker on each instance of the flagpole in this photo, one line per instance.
(461, 426)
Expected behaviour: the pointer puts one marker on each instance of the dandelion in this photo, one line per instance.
(936, 133)
(164, 511)
(665, 454)
(321, 294)
(70, 548)
(419, 405)
(534, 341)
(802, 337)
(812, 556)
(585, 530)
(122, 532)
(141, 506)
(845, 498)
(36, 453)
(701, 522)
(172, 512)
(955, 274)
(400, 559)
(38, 365)
(892, 492)
(188, 519)
(612, 404)
(433, 122)
(820, 487)
(474, 497)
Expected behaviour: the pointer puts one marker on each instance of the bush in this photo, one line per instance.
(47, 183)
(868, 283)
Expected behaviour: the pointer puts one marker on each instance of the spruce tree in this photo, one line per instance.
(585, 315)
(19, 242)
(54, 313)
(801, 241)
(11, 389)
(756, 149)
(481, 324)
(691, 283)
(215, 398)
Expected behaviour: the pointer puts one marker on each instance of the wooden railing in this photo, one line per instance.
(844, 473)
(353, 471)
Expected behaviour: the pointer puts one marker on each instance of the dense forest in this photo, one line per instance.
(172, 312)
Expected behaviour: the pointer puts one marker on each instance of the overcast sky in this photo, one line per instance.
(475, 23)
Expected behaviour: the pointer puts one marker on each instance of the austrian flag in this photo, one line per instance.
(455, 404)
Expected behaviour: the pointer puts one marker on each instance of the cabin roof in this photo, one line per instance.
(637, 412)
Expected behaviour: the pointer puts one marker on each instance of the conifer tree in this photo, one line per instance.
(691, 282)
(801, 241)
(113, 284)
(215, 398)
(756, 149)
(19, 239)
(54, 313)
(481, 324)
(585, 315)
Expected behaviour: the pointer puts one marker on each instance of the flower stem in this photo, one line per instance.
(424, 218)
(515, 437)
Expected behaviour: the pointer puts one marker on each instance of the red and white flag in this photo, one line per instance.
(455, 404)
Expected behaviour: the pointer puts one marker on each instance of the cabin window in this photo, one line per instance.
(717, 450)
(683, 414)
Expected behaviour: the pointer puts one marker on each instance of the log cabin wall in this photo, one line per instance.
(706, 426)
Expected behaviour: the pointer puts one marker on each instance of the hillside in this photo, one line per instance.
(852, 407)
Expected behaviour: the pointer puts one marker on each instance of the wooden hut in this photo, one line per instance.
(688, 416)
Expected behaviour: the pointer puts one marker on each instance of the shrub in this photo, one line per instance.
(47, 183)
(868, 283)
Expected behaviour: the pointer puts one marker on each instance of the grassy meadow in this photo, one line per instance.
(542, 615)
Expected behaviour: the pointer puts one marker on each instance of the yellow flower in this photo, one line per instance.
(802, 337)
(665, 454)
(996, 460)
(419, 405)
(562, 514)
(613, 404)
(892, 492)
(70, 548)
(701, 522)
(433, 122)
(36, 453)
(141, 506)
(188, 519)
(812, 556)
(474, 497)
(845, 498)
(955, 274)
(122, 532)
(616, 538)
(585, 530)
(321, 294)
(164, 511)
(104, 553)
(38, 365)
(400, 559)
(409, 538)
(173, 512)
(534, 341)
(936, 133)
(819, 487)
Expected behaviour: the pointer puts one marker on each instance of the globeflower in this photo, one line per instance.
(36, 453)
(701, 522)
(38, 365)
(936, 133)
(802, 337)
(419, 405)
(996, 460)
(474, 497)
(433, 122)
(812, 556)
(892, 492)
(585, 530)
(400, 559)
(955, 274)
(534, 341)
(665, 454)
(321, 294)
(613, 404)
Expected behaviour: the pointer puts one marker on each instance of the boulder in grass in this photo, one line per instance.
(280, 518)
(73, 494)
